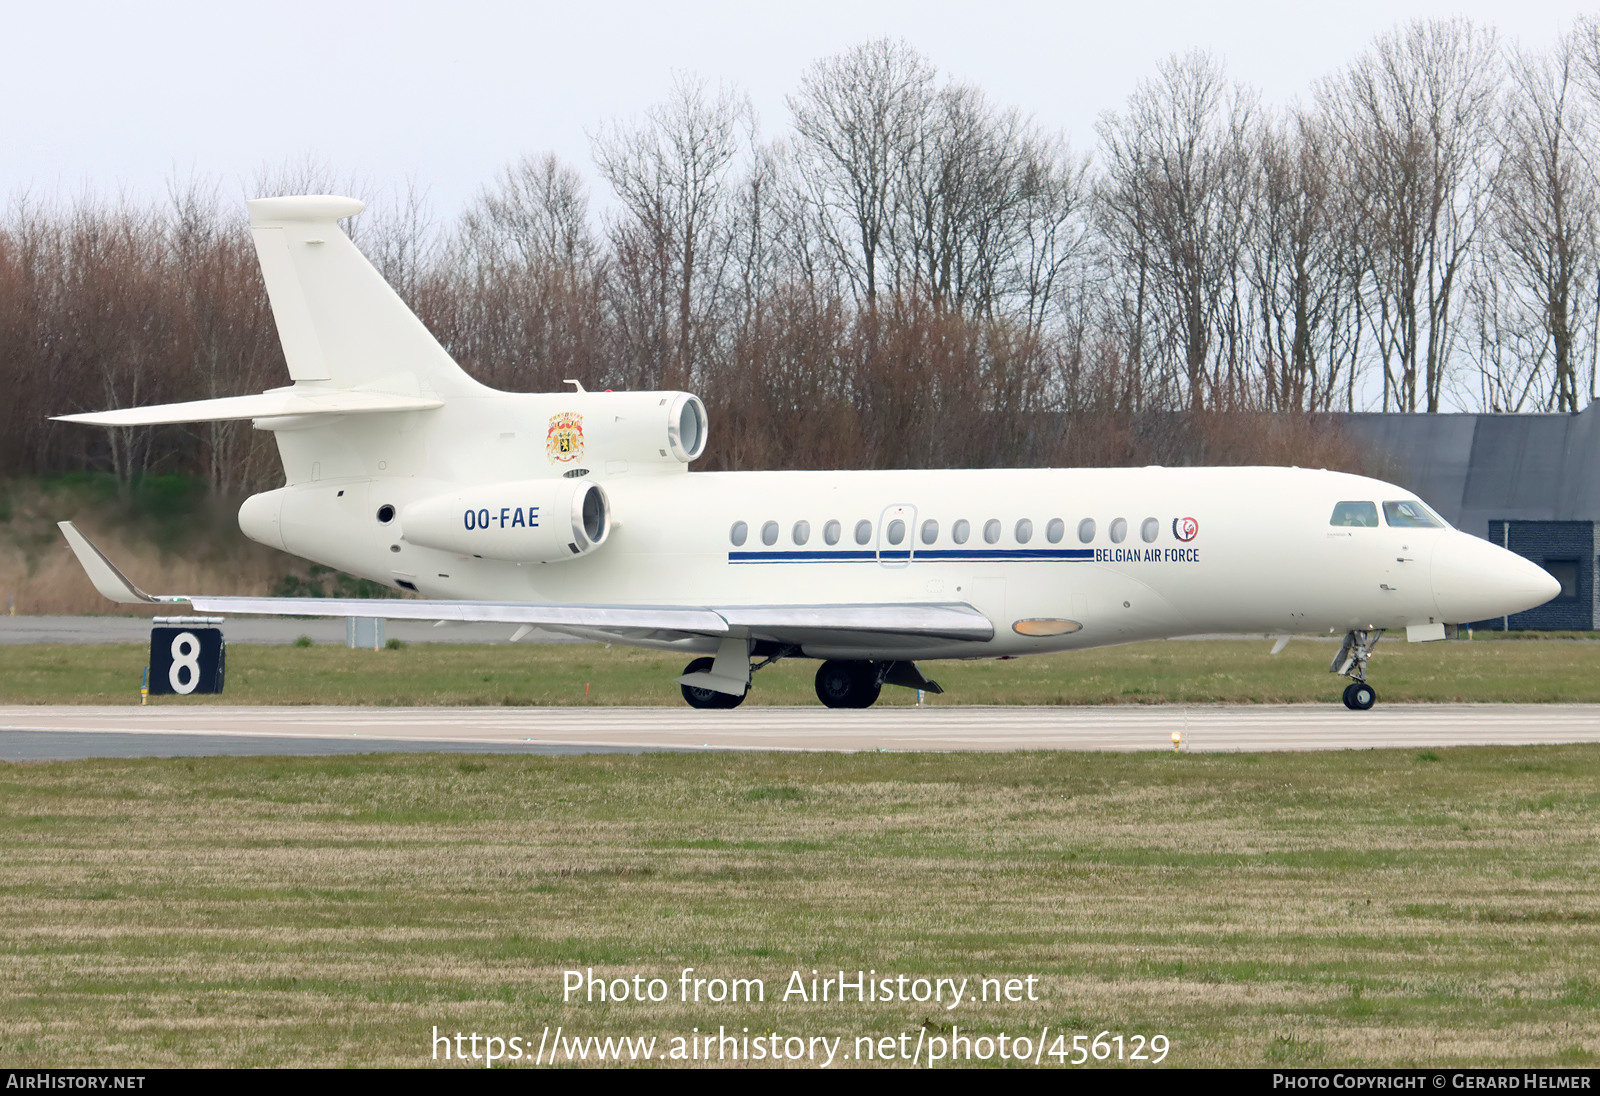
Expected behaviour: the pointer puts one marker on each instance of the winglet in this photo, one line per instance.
(102, 572)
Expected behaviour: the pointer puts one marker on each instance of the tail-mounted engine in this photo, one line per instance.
(524, 521)
(618, 431)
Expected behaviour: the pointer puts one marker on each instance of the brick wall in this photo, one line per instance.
(1541, 542)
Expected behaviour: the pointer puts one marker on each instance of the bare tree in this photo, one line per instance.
(536, 214)
(1537, 265)
(1413, 113)
(1053, 252)
(399, 236)
(517, 295)
(857, 117)
(1169, 204)
(671, 173)
(958, 191)
(755, 228)
(1301, 267)
(1583, 45)
(224, 330)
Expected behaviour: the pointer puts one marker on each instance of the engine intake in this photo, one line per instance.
(686, 427)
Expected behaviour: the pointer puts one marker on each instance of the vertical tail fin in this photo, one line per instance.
(341, 324)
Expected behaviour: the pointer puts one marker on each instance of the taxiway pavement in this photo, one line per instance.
(62, 732)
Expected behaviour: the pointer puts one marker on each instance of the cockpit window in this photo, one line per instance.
(1410, 514)
(1364, 514)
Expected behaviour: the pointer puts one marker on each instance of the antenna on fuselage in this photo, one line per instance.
(576, 385)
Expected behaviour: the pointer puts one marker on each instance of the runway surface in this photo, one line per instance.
(40, 733)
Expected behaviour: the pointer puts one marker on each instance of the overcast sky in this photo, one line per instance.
(119, 97)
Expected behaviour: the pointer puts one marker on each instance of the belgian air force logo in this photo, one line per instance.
(563, 442)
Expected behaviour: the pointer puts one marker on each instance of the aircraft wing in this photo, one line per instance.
(907, 624)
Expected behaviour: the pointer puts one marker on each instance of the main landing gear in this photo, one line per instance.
(841, 683)
(848, 684)
(845, 683)
(708, 698)
(1351, 661)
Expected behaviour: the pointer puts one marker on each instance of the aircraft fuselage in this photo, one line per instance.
(1094, 556)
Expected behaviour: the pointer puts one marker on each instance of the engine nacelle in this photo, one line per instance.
(524, 521)
(617, 431)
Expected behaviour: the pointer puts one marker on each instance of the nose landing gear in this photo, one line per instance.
(1351, 661)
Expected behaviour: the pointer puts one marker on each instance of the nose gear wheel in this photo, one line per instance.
(1351, 661)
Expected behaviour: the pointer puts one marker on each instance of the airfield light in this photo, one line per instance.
(1177, 741)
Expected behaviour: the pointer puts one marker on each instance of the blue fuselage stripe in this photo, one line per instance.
(929, 555)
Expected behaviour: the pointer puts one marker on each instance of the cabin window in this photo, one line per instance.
(1362, 514)
(930, 531)
(1410, 514)
(896, 531)
(1149, 530)
(769, 533)
(1119, 530)
(991, 531)
(1055, 530)
(1086, 530)
(1024, 531)
(802, 532)
(830, 532)
(960, 531)
(863, 531)
(739, 534)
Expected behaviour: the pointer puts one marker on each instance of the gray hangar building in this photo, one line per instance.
(1530, 483)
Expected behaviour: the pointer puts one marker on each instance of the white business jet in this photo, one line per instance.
(575, 512)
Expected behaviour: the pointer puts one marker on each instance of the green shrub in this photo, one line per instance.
(320, 581)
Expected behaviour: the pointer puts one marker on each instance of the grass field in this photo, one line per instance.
(1195, 672)
(1378, 907)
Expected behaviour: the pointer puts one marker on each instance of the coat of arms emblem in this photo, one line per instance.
(563, 442)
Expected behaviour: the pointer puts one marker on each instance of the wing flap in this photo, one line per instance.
(947, 620)
(670, 618)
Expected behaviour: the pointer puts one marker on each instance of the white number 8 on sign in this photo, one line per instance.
(185, 656)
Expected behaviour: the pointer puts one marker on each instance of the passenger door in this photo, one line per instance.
(897, 535)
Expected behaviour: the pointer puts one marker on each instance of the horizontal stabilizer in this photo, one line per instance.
(279, 401)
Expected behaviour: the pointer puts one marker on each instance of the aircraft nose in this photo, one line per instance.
(1476, 580)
